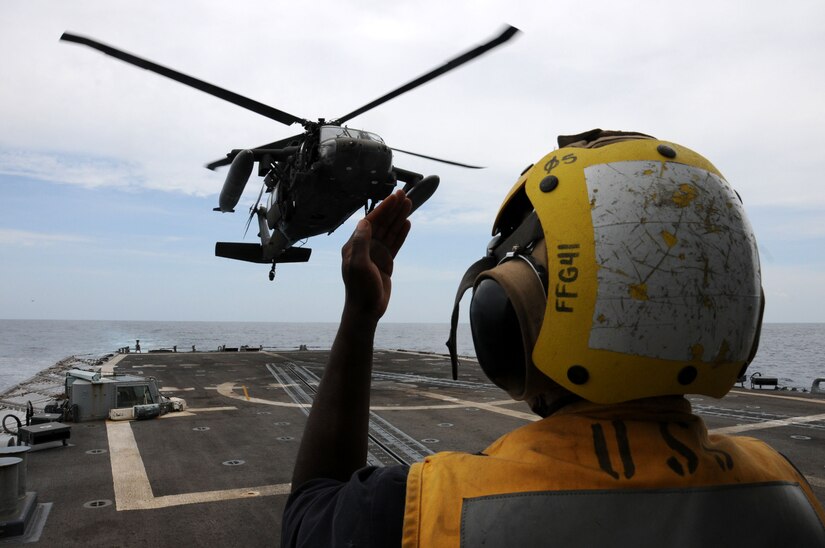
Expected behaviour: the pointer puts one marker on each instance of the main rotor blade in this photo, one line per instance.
(275, 144)
(226, 95)
(437, 159)
(508, 33)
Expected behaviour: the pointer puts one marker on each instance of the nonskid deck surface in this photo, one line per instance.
(218, 474)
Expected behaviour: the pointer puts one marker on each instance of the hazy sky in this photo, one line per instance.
(106, 208)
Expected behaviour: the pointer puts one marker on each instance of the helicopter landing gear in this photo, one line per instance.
(272, 272)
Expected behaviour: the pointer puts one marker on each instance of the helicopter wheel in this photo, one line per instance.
(272, 272)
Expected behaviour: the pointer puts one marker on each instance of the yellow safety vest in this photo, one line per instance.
(649, 464)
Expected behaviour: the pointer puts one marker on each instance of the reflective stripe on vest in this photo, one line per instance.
(759, 514)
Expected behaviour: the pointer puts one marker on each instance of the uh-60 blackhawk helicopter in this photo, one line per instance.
(316, 179)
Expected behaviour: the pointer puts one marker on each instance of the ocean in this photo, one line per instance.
(791, 352)
(29, 346)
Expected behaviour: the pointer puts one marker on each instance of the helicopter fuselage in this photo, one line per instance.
(321, 186)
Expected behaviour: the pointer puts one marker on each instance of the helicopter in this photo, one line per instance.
(315, 180)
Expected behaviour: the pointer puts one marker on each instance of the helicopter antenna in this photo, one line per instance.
(505, 35)
(245, 102)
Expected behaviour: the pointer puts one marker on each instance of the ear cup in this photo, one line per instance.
(497, 336)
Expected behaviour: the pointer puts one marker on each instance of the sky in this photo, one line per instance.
(106, 207)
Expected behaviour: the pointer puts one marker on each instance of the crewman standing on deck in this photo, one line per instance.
(623, 274)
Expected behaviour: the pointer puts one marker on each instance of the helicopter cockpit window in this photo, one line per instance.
(334, 132)
(331, 132)
(371, 137)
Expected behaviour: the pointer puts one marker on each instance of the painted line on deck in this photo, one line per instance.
(217, 496)
(815, 481)
(461, 403)
(131, 483)
(486, 406)
(128, 473)
(416, 407)
(756, 393)
(108, 368)
(791, 421)
(193, 411)
(227, 389)
(209, 409)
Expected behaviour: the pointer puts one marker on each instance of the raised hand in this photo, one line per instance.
(367, 257)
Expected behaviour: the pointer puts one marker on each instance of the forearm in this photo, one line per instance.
(334, 443)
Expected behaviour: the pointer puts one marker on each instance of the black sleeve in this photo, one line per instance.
(367, 510)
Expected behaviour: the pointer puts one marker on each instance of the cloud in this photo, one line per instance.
(793, 293)
(26, 238)
(738, 82)
(85, 171)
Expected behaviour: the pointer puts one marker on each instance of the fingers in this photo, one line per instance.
(398, 237)
(359, 242)
(389, 210)
(389, 221)
(379, 236)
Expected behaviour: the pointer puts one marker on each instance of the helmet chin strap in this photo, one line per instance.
(485, 263)
(528, 232)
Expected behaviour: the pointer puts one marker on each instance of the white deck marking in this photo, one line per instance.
(108, 368)
(279, 385)
(815, 481)
(131, 484)
(175, 389)
(216, 496)
(416, 407)
(504, 402)
(177, 414)
(486, 406)
(128, 473)
(193, 411)
(227, 389)
(791, 421)
(794, 398)
(209, 409)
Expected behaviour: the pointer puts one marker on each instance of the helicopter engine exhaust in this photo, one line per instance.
(421, 191)
(236, 179)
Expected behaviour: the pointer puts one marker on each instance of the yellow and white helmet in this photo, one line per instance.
(622, 267)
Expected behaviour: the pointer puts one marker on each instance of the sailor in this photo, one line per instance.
(623, 274)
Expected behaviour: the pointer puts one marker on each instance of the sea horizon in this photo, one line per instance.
(790, 351)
